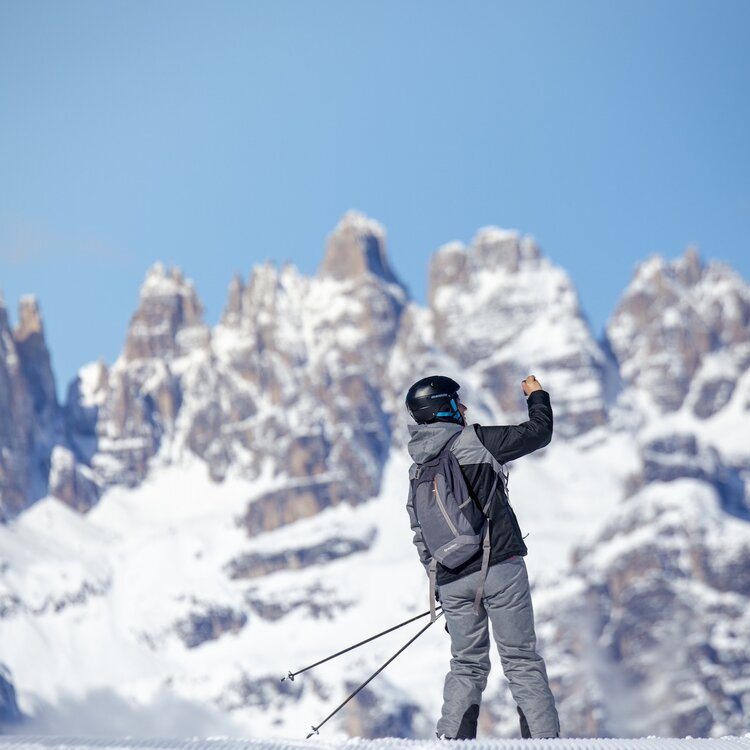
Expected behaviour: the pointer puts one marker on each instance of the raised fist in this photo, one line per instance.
(530, 385)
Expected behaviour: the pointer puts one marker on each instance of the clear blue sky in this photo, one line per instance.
(217, 135)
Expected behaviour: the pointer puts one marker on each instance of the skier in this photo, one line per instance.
(505, 599)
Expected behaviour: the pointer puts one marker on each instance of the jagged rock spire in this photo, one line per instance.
(503, 310)
(35, 357)
(233, 309)
(355, 248)
(30, 418)
(672, 318)
(29, 318)
(168, 305)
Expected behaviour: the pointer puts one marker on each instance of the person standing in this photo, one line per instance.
(505, 599)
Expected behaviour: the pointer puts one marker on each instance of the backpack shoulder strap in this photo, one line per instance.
(432, 572)
(471, 450)
(486, 552)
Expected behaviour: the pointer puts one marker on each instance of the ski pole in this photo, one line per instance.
(374, 675)
(292, 675)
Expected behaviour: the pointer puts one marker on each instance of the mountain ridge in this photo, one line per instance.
(244, 475)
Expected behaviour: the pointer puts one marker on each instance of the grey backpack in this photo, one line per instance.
(454, 527)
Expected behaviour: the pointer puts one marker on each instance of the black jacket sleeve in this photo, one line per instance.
(508, 442)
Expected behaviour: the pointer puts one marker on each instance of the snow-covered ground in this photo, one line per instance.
(99, 596)
(220, 743)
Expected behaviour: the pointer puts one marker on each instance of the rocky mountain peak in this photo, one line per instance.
(29, 319)
(264, 285)
(15, 424)
(689, 268)
(672, 322)
(492, 249)
(493, 246)
(503, 311)
(355, 248)
(30, 417)
(4, 322)
(233, 309)
(656, 273)
(35, 357)
(269, 293)
(168, 305)
(161, 281)
(118, 418)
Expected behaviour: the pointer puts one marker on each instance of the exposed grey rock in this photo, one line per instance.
(367, 715)
(257, 565)
(357, 247)
(313, 602)
(288, 359)
(35, 362)
(222, 430)
(284, 506)
(137, 408)
(71, 482)
(233, 309)
(208, 624)
(656, 624)
(141, 403)
(10, 604)
(9, 711)
(16, 426)
(86, 393)
(265, 693)
(31, 421)
(308, 357)
(169, 308)
(713, 395)
(670, 324)
(678, 456)
(501, 311)
(114, 423)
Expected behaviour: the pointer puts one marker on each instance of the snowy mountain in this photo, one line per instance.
(681, 334)
(224, 504)
(502, 308)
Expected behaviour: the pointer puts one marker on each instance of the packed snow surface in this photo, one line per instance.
(390, 743)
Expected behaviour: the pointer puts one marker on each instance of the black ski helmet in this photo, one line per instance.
(434, 399)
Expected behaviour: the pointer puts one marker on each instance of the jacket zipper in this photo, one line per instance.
(442, 509)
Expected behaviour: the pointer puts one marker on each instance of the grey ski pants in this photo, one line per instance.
(507, 606)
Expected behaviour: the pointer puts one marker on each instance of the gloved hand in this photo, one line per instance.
(437, 598)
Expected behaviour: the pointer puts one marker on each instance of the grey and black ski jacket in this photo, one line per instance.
(480, 452)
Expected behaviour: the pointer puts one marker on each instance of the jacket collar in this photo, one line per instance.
(427, 440)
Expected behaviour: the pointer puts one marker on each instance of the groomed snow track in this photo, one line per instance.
(19, 742)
